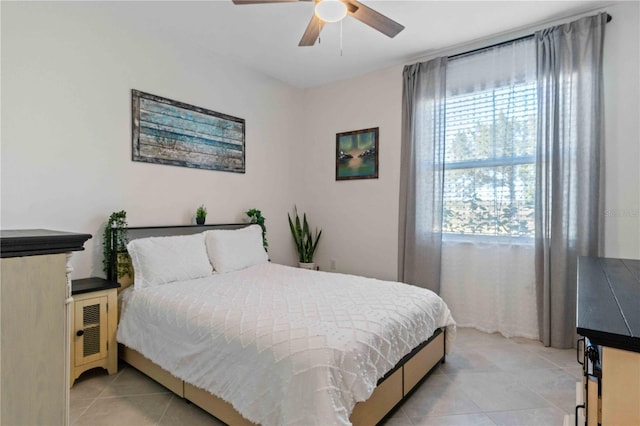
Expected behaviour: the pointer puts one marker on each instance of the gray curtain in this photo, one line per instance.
(422, 173)
(569, 169)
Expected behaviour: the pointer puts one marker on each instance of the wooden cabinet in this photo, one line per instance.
(34, 300)
(609, 319)
(620, 396)
(94, 319)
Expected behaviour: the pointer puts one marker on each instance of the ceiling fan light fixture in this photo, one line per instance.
(331, 10)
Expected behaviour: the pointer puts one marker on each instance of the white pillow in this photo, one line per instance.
(161, 260)
(232, 250)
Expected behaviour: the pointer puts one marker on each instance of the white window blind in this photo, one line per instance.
(490, 146)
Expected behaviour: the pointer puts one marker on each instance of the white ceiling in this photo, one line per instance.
(265, 36)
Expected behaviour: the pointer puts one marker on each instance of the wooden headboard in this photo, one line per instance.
(135, 233)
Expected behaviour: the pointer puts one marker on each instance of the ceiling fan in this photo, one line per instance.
(334, 11)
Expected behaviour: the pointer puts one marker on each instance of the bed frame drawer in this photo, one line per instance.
(416, 368)
(383, 399)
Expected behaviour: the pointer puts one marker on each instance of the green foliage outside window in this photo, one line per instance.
(489, 184)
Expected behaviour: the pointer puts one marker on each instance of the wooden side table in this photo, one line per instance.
(94, 318)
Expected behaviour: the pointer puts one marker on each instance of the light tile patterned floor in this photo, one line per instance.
(487, 380)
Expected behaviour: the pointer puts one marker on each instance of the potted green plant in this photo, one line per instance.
(201, 214)
(115, 232)
(256, 217)
(306, 243)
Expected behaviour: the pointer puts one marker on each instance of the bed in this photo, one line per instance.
(260, 343)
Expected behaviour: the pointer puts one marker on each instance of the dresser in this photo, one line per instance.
(34, 323)
(608, 319)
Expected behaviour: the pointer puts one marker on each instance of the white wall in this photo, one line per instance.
(67, 73)
(360, 218)
(622, 132)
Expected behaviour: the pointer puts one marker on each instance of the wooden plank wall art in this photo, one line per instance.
(179, 134)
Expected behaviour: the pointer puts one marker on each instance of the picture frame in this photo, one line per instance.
(357, 154)
(174, 133)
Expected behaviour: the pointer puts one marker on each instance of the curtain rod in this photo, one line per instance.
(480, 49)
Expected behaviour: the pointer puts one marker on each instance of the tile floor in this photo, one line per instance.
(487, 380)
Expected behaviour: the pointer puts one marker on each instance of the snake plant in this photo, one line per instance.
(306, 243)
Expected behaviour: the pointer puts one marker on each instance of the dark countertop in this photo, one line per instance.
(31, 242)
(608, 310)
(87, 285)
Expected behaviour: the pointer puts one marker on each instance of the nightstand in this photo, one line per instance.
(94, 318)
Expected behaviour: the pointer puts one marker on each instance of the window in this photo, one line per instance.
(490, 143)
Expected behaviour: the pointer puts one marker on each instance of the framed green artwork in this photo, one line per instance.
(357, 154)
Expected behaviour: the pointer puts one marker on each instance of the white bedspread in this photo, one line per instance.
(283, 345)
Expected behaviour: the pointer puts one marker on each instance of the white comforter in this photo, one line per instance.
(282, 345)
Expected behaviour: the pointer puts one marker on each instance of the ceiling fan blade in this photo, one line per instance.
(264, 1)
(312, 32)
(374, 19)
